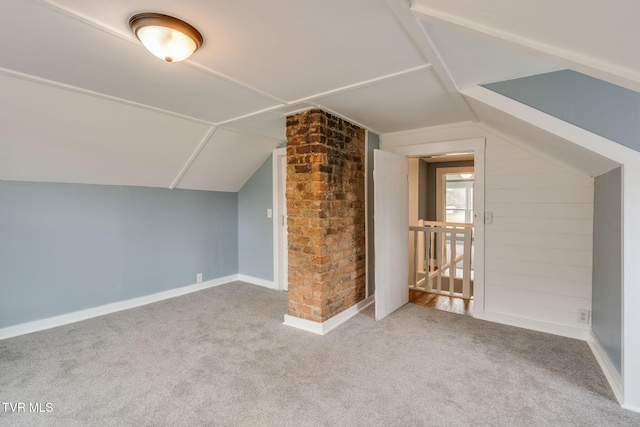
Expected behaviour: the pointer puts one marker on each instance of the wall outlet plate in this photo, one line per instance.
(583, 315)
(199, 278)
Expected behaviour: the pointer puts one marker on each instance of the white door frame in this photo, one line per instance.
(477, 146)
(280, 259)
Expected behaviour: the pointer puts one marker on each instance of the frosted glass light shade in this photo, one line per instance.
(166, 37)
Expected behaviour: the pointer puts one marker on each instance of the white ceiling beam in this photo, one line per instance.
(74, 14)
(82, 91)
(580, 62)
(362, 84)
(423, 42)
(207, 137)
(248, 116)
(235, 82)
(581, 137)
(75, 89)
(310, 99)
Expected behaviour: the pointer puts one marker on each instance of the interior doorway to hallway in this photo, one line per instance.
(441, 189)
(444, 223)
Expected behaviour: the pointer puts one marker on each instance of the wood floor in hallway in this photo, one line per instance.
(441, 302)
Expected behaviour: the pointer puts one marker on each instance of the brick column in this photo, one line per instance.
(326, 214)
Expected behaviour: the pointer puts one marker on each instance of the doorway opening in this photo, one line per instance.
(441, 214)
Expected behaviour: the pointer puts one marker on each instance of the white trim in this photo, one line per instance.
(424, 43)
(81, 17)
(595, 67)
(477, 145)
(429, 129)
(65, 319)
(271, 109)
(257, 281)
(630, 288)
(537, 325)
(435, 148)
(592, 142)
(610, 372)
(367, 255)
(99, 95)
(323, 328)
(275, 158)
(123, 101)
(631, 408)
(362, 84)
(194, 155)
(303, 324)
(520, 143)
(630, 160)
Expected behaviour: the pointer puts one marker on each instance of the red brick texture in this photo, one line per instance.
(326, 215)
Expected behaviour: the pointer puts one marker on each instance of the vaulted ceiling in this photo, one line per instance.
(82, 101)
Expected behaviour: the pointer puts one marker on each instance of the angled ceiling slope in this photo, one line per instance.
(501, 40)
(593, 37)
(259, 61)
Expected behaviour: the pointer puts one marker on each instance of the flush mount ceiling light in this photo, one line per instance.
(168, 38)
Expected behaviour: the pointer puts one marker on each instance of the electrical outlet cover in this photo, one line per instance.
(583, 315)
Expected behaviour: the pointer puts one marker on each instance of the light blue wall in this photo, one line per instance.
(372, 144)
(597, 106)
(607, 265)
(68, 247)
(255, 230)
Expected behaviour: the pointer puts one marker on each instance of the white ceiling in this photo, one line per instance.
(474, 61)
(594, 37)
(82, 101)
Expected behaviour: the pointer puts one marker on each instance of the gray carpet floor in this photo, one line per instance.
(223, 357)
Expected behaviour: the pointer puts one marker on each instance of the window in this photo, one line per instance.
(458, 194)
(454, 194)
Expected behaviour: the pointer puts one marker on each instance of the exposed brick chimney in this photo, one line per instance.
(326, 214)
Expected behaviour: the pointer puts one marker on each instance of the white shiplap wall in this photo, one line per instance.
(538, 251)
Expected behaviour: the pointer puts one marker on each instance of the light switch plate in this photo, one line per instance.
(488, 217)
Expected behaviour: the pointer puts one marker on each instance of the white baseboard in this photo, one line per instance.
(537, 325)
(256, 281)
(610, 372)
(323, 328)
(65, 319)
(632, 408)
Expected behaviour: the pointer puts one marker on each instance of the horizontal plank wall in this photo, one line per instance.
(538, 250)
(65, 248)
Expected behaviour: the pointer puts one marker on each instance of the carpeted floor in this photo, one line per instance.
(222, 357)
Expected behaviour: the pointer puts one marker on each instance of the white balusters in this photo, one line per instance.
(437, 256)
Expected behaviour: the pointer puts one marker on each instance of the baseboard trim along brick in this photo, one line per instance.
(323, 328)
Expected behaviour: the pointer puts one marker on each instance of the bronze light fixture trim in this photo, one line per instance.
(166, 37)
